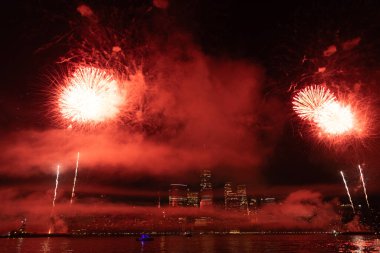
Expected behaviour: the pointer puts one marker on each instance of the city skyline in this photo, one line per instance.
(266, 111)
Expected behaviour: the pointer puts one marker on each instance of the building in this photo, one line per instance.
(232, 201)
(241, 192)
(178, 195)
(193, 199)
(206, 180)
(227, 191)
(238, 200)
(267, 200)
(206, 194)
(253, 204)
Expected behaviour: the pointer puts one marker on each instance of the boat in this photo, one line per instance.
(145, 238)
(20, 232)
(188, 234)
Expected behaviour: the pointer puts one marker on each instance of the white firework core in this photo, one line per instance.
(90, 95)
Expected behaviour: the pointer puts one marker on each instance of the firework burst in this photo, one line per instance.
(308, 101)
(90, 95)
(334, 118)
(328, 116)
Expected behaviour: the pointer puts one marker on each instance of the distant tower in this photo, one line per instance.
(227, 192)
(233, 202)
(178, 195)
(206, 180)
(193, 199)
(242, 196)
(206, 194)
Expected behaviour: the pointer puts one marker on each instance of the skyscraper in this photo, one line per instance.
(232, 201)
(241, 193)
(227, 191)
(206, 180)
(235, 200)
(193, 199)
(206, 194)
(178, 195)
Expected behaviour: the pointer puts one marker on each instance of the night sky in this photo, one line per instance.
(218, 79)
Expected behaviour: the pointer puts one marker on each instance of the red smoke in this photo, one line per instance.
(199, 113)
(301, 209)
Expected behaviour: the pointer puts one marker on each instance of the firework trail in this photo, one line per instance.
(75, 180)
(56, 186)
(89, 95)
(348, 192)
(364, 187)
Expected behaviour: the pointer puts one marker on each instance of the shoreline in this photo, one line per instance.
(132, 234)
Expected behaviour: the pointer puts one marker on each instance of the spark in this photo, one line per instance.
(320, 106)
(334, 118)
(56, 186)
(309, 100)
(90, 95)
(348, 192)
(75, 180)
(363, 182)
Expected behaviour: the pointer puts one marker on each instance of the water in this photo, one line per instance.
(195, 244)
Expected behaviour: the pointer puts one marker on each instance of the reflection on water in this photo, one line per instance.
(360, 244)
(162, 244)
(45, 245)
(195, 244)
(142, 246)
(19, 244)
(207, 246)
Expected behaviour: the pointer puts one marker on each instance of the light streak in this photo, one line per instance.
(363, 182)
(56, 186)
(348, 192)
(75, 180)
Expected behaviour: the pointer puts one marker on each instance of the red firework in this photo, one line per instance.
(328, 115)
(90, 95)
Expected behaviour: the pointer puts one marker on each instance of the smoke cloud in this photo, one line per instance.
(301, 210)
(199, 112)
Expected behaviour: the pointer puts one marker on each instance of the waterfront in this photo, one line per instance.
(196, 243)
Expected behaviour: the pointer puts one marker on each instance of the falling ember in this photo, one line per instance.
(363, 182)
(90, 95)
(56, 186)
(348, 192)
(75, 180)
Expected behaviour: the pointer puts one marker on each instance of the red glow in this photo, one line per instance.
(329, 116)
(90, 95)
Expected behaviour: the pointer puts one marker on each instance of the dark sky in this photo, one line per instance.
(260, 49)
